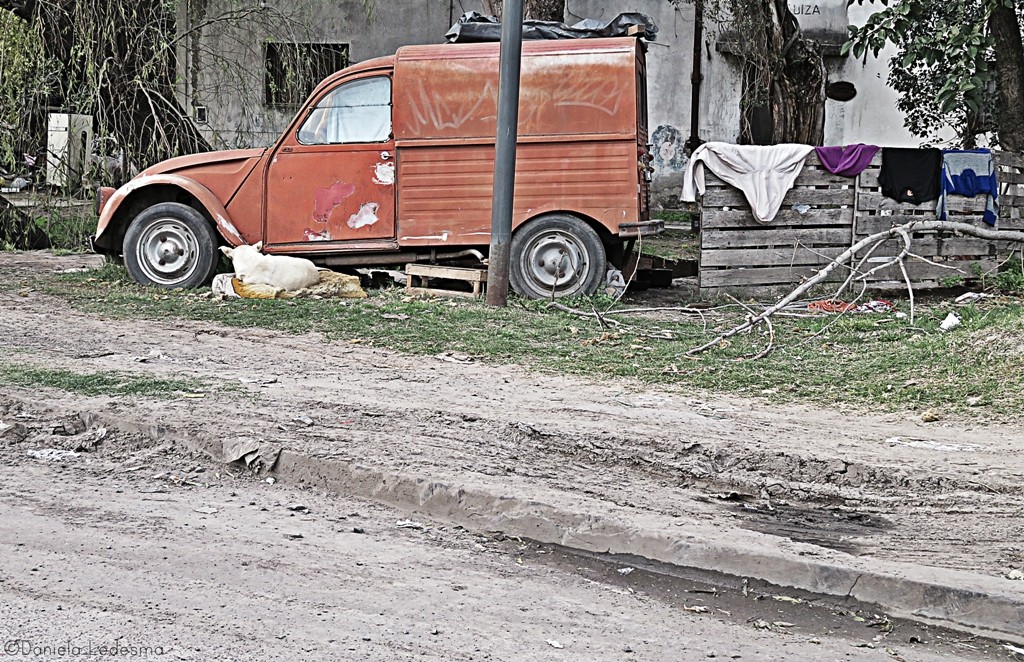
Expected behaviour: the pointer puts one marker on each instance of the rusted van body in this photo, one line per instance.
(392, 160)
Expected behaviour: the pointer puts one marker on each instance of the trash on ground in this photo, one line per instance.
(455, 357)
(554, 644)
(206, 510)
(930, 445)
(831, 306)
(624, 571)
(970, 297)
(409, 524)
(876, 306)
(951, 322)
(51, 454)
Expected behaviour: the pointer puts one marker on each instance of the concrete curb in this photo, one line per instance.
(970, 602)
(965, 601)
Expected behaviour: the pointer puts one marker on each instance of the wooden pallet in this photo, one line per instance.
(476, 277)
(824, 214)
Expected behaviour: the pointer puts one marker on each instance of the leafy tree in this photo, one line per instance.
(943, 70)
(119, 62)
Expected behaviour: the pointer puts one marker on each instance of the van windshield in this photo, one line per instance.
(354, 112)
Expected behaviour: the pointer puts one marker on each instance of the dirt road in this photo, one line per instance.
(141, 548)
(945, 494)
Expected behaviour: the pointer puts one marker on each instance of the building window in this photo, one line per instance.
(293, 70)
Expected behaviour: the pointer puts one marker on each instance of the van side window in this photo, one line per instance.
(355, 112)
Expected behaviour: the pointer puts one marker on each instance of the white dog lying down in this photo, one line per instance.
(254, 268)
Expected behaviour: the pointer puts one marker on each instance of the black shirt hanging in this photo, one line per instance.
(911, 175)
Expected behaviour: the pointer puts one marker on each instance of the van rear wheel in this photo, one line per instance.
(170, 245)
(556, 256)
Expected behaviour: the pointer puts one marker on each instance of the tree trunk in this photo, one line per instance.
(545, 10)
(792, 108)
(1006, 32)
(539, 10)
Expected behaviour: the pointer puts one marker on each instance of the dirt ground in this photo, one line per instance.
(946, 494)
(140, 548)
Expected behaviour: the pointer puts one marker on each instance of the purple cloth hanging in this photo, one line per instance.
(847, 161)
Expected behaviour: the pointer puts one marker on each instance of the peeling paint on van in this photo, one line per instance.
(367, 215)
(326, 199)
(310, 235)
(440, 237)
(384, 174)
(228, 228)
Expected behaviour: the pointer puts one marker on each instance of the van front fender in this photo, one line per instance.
(114, 213)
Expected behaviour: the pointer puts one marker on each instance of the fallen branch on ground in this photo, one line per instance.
(872, 241)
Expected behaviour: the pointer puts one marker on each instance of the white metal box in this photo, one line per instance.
(68, 149)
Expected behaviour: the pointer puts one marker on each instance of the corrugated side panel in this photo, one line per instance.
(444, 193)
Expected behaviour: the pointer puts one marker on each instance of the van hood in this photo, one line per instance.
(189, 161)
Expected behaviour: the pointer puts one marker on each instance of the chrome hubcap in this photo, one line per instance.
(167, 251)
(555, 261)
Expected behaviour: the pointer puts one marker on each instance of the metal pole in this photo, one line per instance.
(505, 151)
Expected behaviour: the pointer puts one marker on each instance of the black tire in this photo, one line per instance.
(556, 255)
(172, 246)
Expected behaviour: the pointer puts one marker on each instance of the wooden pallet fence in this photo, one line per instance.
(824, 214)
(813, 227)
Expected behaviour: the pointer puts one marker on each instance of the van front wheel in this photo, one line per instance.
(556, 256)
(170, 245)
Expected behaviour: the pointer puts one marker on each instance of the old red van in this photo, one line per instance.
(392, 161)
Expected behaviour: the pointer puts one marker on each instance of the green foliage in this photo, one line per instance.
(1011, 278)
(942, 69)
(20, 64)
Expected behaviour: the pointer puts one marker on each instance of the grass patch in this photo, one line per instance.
(97, 383)
(672, 245)
(874, 361)
(675, 216)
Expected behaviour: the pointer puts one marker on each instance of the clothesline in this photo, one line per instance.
(765, 173)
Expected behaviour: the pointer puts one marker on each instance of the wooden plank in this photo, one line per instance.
(469, 274)
(1009, 159)
(758, 276)
(778, 237)
(822, 177)
(430, 291)
(868, 225)
(767, 257)
(949, 247)
(1010, 177)
(1011, 201)
(870, 201)
(920, 271)
(717, 218)
(733, 197)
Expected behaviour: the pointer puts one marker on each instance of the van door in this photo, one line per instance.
(333, 180)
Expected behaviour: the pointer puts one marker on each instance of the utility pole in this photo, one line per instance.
(505, 151)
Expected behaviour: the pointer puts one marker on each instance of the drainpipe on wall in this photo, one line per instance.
(693, 142)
